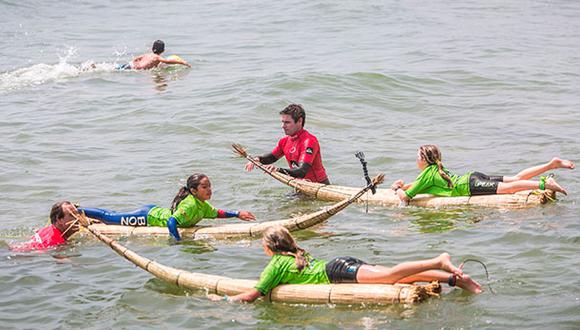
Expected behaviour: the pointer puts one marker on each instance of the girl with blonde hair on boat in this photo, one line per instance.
(290, 264)
(189, 207)
(436, 180)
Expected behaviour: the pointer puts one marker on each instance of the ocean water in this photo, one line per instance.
(494, 84)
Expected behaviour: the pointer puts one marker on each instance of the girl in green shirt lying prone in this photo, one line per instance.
(291, 264)
(436, 180)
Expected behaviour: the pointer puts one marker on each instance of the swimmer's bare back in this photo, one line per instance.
(145, 62)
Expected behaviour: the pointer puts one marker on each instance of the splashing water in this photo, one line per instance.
(42, 73)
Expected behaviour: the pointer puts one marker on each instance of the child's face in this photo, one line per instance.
(267, 250)
(203, 191)
(421, 164)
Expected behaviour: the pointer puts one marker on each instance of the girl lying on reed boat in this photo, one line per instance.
(291, 264)
(188, 208)
(436, 180)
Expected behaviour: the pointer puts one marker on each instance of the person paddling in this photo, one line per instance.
(290, 264)
(189, 206)
(436, 180)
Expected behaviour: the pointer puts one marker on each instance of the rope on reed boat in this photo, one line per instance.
(484, 267)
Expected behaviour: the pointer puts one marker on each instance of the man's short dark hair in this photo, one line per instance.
(296, 111)
(56, 212)
(158, 47)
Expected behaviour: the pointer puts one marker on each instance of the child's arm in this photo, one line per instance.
(248, 296)
(399, 187)
(400, 184)
(170, 61)
(402, 196)
(243, 215)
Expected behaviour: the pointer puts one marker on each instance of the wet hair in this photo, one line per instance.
(158, 47)
(431, 155)
(192, 183)
(280, 241)
(296, 111)
(57, 212)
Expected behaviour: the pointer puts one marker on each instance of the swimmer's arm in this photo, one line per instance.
(248, 296)
(170, 61)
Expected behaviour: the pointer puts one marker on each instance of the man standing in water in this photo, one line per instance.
(63, 225)
(300, 148)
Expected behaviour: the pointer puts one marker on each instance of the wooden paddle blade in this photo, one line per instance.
(239, 150)
(82, 219)
(380, 178)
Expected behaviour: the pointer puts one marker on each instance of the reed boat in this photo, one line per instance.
(290, 293)
(387, 197)
(238, 230)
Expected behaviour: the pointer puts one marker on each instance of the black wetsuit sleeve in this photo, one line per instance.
(298, 172)
(267, 159)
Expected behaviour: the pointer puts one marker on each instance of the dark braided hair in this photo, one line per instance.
(431, 155)
(192, 183)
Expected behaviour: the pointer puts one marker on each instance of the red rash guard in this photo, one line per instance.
(302, 147)
(43, 239)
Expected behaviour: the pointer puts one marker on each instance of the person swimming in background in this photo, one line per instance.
(62, 226)
(436, 180)
(151, 60)
(291, 264)
(189, 207)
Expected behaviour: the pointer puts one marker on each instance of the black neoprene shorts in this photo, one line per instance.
(482, 184)
(343, 269)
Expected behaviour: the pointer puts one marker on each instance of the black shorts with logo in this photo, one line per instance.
(482, 184)
(343, 269)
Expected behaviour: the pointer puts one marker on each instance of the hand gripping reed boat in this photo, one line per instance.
(387, 197)
(291, 293)
(242, 229)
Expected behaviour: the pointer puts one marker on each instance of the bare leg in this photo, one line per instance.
(513, 187)
(385, 275)
(531, 172)
(465, 282)
(553, 185)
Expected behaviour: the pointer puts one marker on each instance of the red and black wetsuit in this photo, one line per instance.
(302, 152)
(43, 239)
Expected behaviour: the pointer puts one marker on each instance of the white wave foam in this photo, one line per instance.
(39, 74)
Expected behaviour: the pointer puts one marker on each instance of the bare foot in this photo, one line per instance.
(553, 185)
(469, 284)
(446, 265)
(562, 163)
